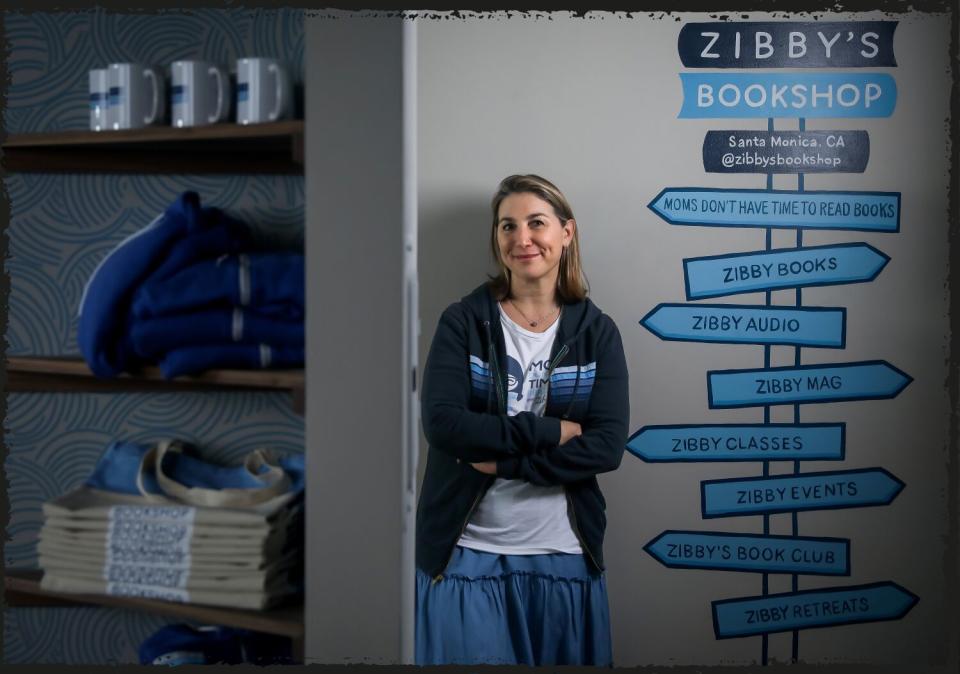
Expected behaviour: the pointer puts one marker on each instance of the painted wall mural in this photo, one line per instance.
(803, 95)
(60, 226)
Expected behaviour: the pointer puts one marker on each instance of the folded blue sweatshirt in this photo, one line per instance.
(105, 303)
(153, 337)
(226, 237)
(270, 282)
(194, 359)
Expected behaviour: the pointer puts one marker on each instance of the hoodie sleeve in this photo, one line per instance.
(448, 423)
(600, 447)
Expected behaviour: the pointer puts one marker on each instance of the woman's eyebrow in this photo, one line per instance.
(531, 216)
(508, 218)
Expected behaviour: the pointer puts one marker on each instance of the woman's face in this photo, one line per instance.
(531, 237)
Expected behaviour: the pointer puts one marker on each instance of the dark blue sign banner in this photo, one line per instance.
(737, 151)
(787, 44)
(812, 608)
(756, 553)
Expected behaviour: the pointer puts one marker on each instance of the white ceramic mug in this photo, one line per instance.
(98, 100)
(200, 93)
(264, 91)
(137, 95)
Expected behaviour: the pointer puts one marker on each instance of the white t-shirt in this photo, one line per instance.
(516, 517)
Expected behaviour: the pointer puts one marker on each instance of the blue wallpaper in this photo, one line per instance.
(60, 227)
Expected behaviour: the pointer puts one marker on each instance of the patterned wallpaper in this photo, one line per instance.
(60, 227)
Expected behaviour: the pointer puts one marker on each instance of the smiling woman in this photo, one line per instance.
(524, 403)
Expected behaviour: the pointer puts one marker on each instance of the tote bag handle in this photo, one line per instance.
(147, 462)
(275, 481)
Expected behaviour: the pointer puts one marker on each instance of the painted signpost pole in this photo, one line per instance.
(717, 95)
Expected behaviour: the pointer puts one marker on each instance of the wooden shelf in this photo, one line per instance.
(31, 374)
(275, 147)
(22, 588)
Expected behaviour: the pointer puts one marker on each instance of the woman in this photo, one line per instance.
(524, 403)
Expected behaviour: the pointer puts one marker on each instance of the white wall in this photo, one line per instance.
(592, 104)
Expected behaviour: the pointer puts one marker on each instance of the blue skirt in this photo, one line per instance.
(513, 609)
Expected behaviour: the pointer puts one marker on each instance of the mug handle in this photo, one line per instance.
(221, 99)
(275, 113)
(155, 110)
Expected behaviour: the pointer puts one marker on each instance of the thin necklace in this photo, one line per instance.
(535, 323)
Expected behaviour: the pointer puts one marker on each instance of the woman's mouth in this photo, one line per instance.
(527, 257)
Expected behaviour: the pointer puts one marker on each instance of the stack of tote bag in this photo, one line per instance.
(158, 521)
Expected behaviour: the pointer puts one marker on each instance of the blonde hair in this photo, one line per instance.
(572, 284)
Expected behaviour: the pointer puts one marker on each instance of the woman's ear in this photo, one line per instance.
(569, 227)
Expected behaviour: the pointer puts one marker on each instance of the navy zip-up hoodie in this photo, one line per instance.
(463, 410)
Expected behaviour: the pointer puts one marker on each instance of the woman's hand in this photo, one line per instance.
(488, 467)
(569, 430)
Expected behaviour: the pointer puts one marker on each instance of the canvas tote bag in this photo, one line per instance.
(153, 487)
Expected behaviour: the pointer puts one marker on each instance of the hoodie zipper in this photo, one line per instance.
(576, 529)
(573, 513)
(495, 369)
(553, 364)
(502, 404)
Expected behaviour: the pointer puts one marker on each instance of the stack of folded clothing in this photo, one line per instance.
(189, 292)
(158, 521)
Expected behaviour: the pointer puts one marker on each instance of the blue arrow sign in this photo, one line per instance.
(731, 274)
(866, 211)
(791, 493)
(739, 442)
(751, 95)
(865, 380)
(748, 324)
(811, 608)
(760, 554)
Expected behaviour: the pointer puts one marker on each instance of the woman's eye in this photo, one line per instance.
(536, 223)
(507, 226)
